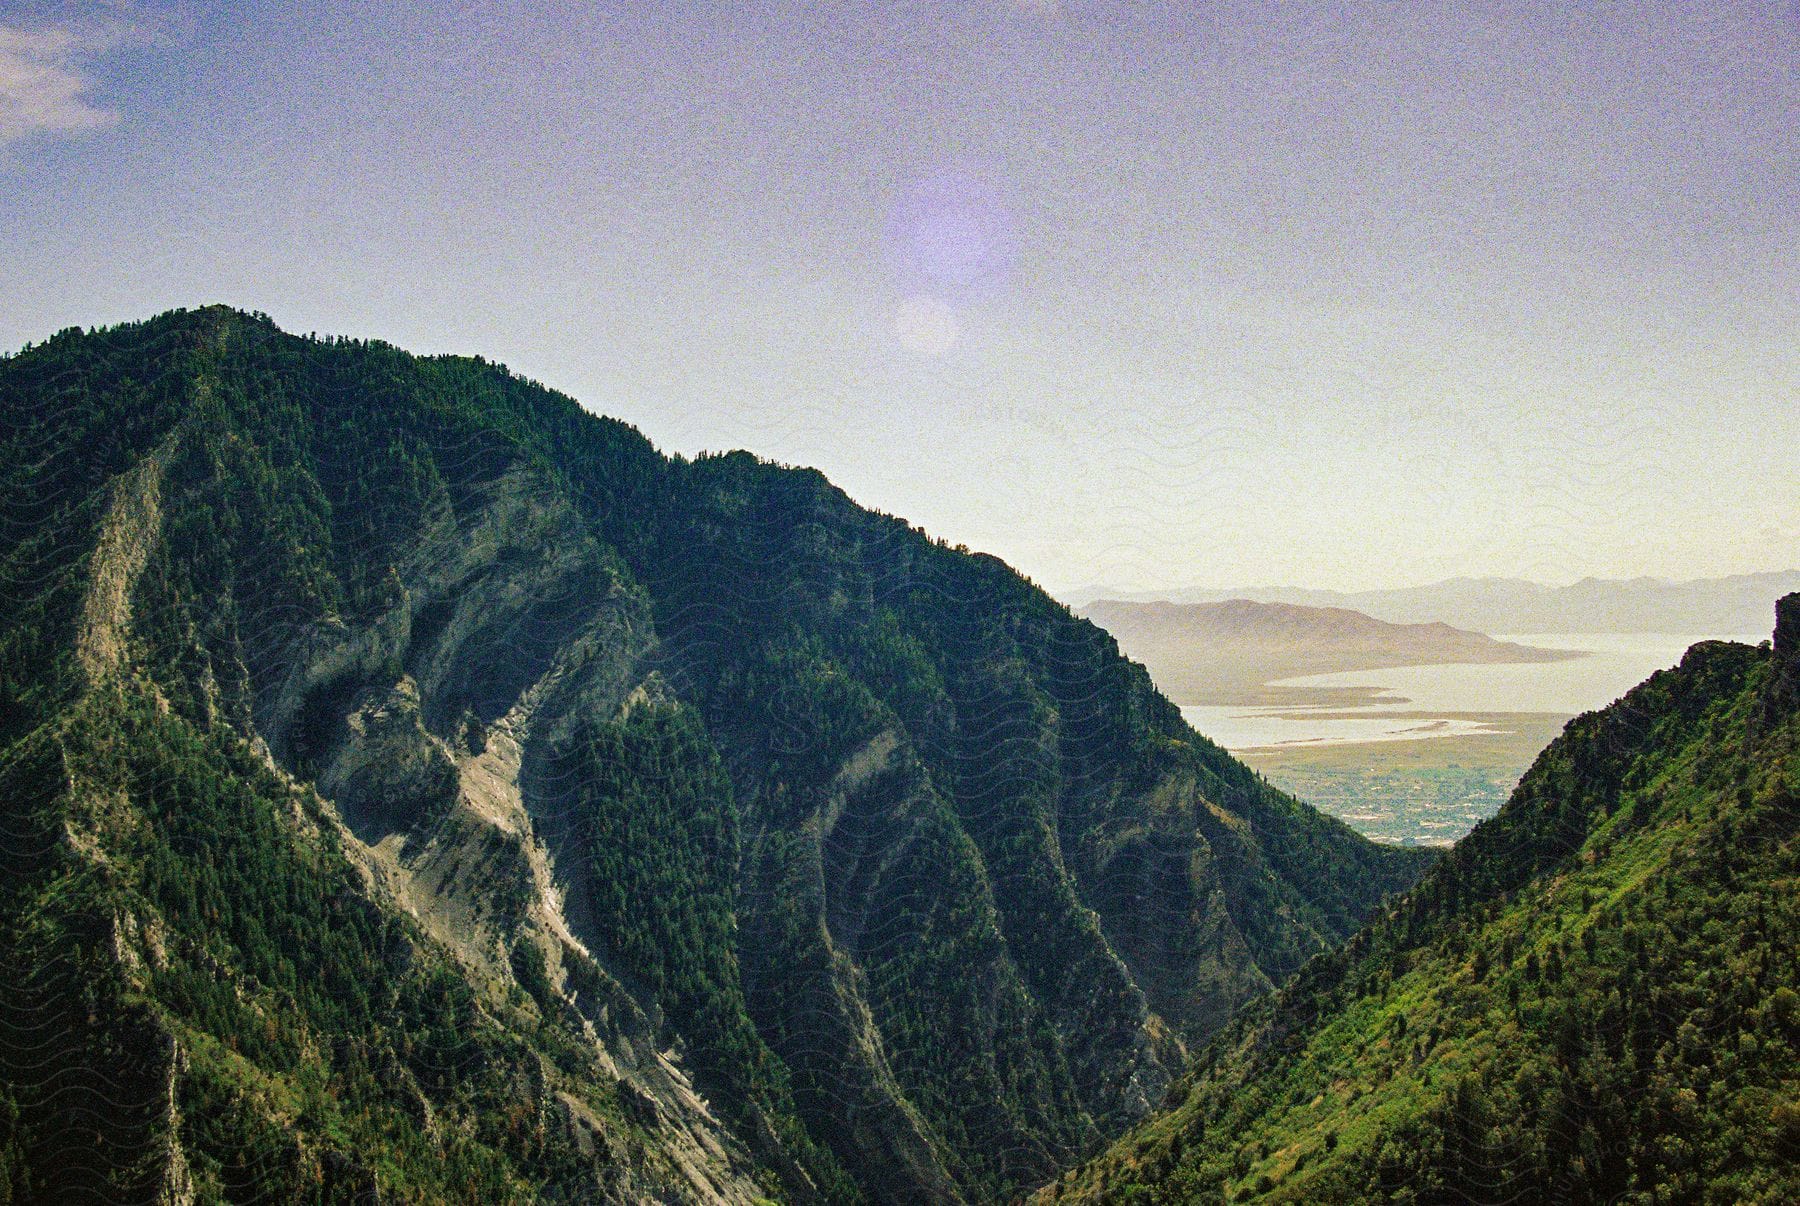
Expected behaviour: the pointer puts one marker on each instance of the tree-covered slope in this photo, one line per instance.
(740, 841)
(1592, 998)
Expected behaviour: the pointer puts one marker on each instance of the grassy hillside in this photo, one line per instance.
(1592, 998)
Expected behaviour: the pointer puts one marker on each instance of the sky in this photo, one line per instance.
(1140, 295)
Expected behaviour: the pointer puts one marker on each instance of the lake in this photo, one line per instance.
(1422, 702)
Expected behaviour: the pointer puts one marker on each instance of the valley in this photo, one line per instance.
(1406, 753)
(1427, 791)
(1411, 732)
(1591, 998)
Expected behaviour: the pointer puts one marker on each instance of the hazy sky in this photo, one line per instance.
(1148, 295)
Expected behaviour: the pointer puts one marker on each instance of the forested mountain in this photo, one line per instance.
(1592, 998)
(411, 783)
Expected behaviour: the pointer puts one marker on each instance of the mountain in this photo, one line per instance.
(1592, 998)
(1727, 606)
(1224, 653)
(414, 786)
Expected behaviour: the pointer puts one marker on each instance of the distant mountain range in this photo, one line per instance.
(1705, 606)
(1225, 653)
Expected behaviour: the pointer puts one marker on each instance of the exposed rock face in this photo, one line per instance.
(441, 826)
(387, 773)
(509, 630)
(501, 625)
(127, 532)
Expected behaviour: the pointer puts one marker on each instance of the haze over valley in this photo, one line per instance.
(1412, 731)
(1732, 604)
(1236, 651)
